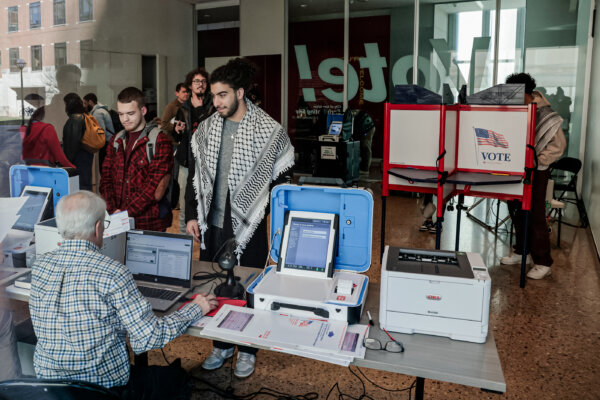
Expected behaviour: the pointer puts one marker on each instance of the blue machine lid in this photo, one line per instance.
(354, 208)
(55, 178)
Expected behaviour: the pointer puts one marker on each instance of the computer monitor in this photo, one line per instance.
(308, 244)
(335, 128)
(35, 207)
(159, 257)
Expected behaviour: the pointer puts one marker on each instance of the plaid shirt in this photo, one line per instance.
(82, 305)
(130, 184)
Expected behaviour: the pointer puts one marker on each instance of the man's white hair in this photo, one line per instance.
(77, 214)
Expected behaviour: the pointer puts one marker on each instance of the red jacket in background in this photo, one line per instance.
(131, 184)
(42, 144)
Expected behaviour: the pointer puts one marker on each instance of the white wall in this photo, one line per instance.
(263, 31)
(591, 167)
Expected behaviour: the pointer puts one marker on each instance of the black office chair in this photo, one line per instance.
(42, 389)
(568, 183)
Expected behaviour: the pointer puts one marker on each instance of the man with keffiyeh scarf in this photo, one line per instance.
(239, 154)
(550, 144)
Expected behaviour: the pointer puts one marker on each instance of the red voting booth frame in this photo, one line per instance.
(444, 174)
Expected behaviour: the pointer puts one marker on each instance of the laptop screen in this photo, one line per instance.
(159, 257)
(31, 212)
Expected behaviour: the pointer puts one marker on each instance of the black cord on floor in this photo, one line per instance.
(388, 389)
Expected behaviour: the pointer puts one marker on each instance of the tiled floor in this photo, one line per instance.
(547, 335)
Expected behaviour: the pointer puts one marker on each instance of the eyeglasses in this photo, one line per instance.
(393, 346)
(106, 223)
(199, 81)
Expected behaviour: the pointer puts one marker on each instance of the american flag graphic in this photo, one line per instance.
(490, 138)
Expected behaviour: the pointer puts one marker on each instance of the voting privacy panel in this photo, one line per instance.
(301, 226)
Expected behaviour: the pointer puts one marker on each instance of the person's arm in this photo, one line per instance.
(146, 331)
(107, 190)
(165, 121)
(553, 150)
(161, 164)
(109, 129)
(54, 147)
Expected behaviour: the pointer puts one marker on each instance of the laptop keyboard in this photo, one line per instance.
(156, 293)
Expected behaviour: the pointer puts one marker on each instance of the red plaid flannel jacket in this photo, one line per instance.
(130, 184)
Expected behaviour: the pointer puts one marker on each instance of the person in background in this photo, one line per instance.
(193, 111)
(85, 307)
(550, 144)
(40, 145)
(72, 135)
(102, 115)
(182, 94)
(363, 131)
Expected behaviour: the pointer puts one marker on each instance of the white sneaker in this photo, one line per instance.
(244, 365)
(514, 259)
(539, 272)
(216, 358)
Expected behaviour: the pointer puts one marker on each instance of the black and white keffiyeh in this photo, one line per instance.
(261, 153)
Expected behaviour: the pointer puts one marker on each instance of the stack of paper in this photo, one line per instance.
(330, 341)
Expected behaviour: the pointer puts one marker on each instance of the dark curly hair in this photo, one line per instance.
(190, 76)
(522, 78)
(237, 73)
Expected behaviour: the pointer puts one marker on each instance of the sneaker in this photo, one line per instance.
(514, 259)
(244, 365)
(426, 225)
(216, 358)
(433, 228)
(539, 272)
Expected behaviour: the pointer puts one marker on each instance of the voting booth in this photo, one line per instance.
(474, 150)
(321, 241)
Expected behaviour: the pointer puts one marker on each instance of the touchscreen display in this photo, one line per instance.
(307, 244)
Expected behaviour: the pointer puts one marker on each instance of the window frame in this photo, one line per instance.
(34, 66)
(38, 5)
(12, 61)
(90, 15)
(13, 27)
(60, 45)
(55, 4)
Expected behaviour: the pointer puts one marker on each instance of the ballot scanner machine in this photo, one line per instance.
(435, 292)
(321, 240)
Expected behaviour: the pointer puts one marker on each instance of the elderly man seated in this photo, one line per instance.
(83, 304)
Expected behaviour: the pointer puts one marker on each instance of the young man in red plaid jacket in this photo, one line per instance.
(131, 180)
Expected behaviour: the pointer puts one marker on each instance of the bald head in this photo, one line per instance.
(79, 214)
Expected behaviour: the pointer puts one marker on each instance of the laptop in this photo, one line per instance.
(161, 264)
(37, 205)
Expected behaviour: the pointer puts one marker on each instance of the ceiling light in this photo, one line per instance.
(303, 5)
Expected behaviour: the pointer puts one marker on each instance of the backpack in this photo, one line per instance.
(167, 191)
(93, 136)
(363, 123)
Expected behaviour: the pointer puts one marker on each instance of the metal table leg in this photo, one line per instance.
(524, 257)
(420, 388)
(383, 206)
(459, 208)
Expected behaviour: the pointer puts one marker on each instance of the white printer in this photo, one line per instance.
(435, 292)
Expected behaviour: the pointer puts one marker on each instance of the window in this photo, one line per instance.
(35, 15)
(13, 19)
(86, 10)
(36, 58)
(60, 54)
(87, 57)
(59, 12)
(13, 55)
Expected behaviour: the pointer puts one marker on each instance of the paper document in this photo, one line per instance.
(269, 328)
(8, 220)
(119, 223)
